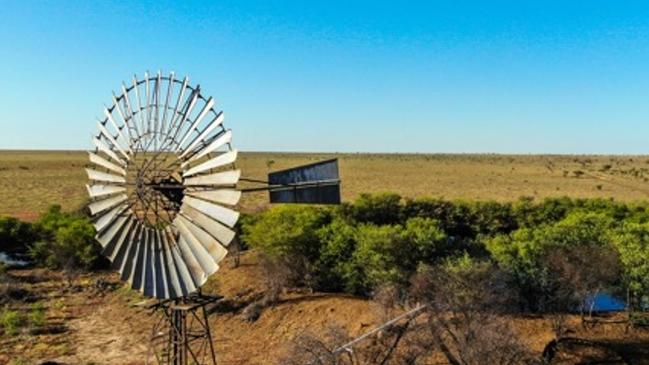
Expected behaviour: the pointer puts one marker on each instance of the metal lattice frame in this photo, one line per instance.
(182, 334)
(163, 186)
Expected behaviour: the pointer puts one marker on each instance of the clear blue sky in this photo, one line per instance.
(455, 76)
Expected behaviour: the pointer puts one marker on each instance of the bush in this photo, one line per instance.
(376, 259)
(454, 217)
(632, 243)
(289, 234)
(523, 254)
(381, 240)
(425, 242)
(66, 241)
(338, 241)
(11, 321)
(384, 208)
(36, 316)
(15, 235)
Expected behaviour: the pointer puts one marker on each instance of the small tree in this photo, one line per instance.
(16, 236)
(67, 242)
(466, 299)
(288, 234)
(383, 208)
(632, 242)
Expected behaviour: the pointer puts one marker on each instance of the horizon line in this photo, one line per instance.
(375, 153)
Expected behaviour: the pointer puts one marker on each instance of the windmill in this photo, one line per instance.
(163, 189)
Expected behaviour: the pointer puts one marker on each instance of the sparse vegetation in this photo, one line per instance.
(66, 241)
(58, 176)
(12, 321)
(549, 255)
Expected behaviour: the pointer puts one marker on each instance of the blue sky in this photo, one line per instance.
(445, 76)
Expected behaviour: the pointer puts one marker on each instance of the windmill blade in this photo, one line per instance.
(216, 122)
(201, 253)
(136, 272)
(148, 279)
(224, 215)
(101, 146)
(176, 113)
(174, 288)
(112, 140)
(147, 286)
(184, 116)
(162, 284)
(156, 125)
(206, 108)
(147, 103)
(124, 261)
(117, 128)
(98, 160)
(198, 235)
(217, 143)
(163, 123)
(102, 176)
(219, 178)
(185, 279)
(130, 118)
(102, 205)
(198, 250)
(222, 196)
(198, 274)
(113, 249)
(107, 218)
(104, 238)
(219, 231)
(99, 190)
(140, 110)
(117, 107)
(220, 160)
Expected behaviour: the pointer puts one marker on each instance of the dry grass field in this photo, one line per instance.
(32, 180)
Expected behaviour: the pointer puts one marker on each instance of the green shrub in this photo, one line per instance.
(383, 208)
(523, 254)
(288, 235)
(288, 230)
(358, 258)
(376, 259)
(15, 235)
(491, 217)
(66, 241)
(338, 241)
(11, 321)
(632, 243)
(380, 239)
(36, 316)
(454, 217)
(425, 242)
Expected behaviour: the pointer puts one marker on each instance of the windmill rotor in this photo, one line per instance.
(163, 192)
(163, 185)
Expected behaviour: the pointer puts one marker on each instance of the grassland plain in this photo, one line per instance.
(32, 180)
